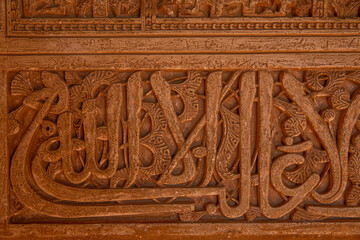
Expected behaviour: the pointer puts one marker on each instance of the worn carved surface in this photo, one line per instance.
(188, 8)
(195, 144)
(80, 17)
(180, 119)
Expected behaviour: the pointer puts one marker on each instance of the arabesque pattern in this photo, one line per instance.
(199, 144)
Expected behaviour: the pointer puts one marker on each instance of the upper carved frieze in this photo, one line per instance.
(81, 8)
(233, 8)
(192, 8)
(41, 17)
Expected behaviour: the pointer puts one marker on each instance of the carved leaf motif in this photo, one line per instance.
(345, 8)
(294, 125)
(353, 196)
(88, 87)
(96, 79)
(302, 7)
(72, 77)
(340, 99)
(231, 8)
(355, 140)
(302, 173)
(155, 142)
(77, 95)
(13, 126)
(187, 92)
(82, 7)
(324, 83)
(291, 127)
(252, 213)
(54, 84)
(314, 79)
(191, 216)
(21, 84)
(353, 76)
(128, 7)
(231, 124)
(354, 166)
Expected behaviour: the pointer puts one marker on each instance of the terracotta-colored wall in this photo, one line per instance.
(200, 119)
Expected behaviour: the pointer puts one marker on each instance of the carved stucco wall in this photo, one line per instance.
(181, 118)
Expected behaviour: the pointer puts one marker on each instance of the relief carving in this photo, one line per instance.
(191, 8)
(142, 119)
(347, 8)
(55, 17)
(231, 8)
(202, 145)
(259, 8)
(81, 8)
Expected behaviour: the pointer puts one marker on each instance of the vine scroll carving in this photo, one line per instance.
(196, 144)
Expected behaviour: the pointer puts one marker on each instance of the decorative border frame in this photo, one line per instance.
(348, 229)
(149, 24)
(236, 230)
(41, 56)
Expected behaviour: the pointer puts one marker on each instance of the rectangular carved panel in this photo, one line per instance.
(180, 119)
(118, 17)
(80, 8)
(184, 145)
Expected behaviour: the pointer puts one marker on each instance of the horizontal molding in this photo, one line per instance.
(182, 62)
(180, 45)
(345, 230)
(149, 22)
(278, 27)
